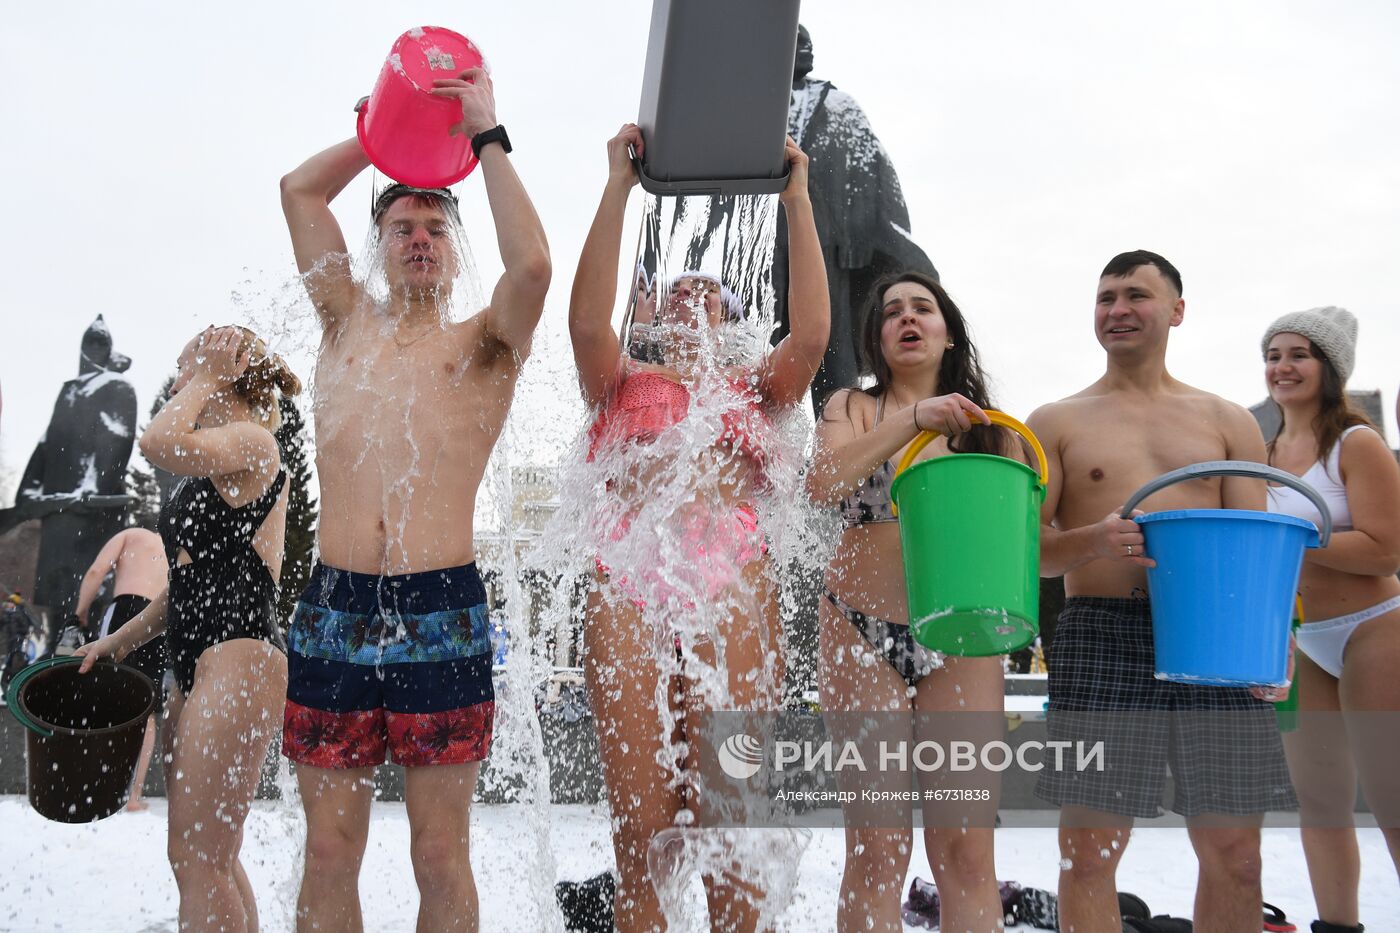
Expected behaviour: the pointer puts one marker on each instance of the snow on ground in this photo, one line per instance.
(112, 875)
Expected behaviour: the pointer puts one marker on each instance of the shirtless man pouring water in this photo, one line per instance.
(1104, 443)
(389, 647)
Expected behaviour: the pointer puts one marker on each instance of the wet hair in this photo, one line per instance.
(441, 198)
(733, 305)
(960, 371)
(267, 376)
(1124, 263)
(1335, 412)
(648, 351)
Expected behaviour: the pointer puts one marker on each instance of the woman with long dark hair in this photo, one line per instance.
(914, 342)
(1349, 645)
(224, 533)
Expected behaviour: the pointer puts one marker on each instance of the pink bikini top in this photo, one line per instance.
(647, 403)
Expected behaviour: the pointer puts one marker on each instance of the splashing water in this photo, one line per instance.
(660, 513)
(388, 429)
(658, 518)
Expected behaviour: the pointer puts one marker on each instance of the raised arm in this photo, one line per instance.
(1372, 481)
(518, 299)
(317, 241)
(794, 362)
(173, 441)
(596, 347)
(103, 564)
(843, 457)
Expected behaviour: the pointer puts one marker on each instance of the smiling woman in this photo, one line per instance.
(1349, 645)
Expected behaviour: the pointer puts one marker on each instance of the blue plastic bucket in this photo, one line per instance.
(1223, 588)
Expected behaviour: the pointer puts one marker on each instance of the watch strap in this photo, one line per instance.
(497, 134)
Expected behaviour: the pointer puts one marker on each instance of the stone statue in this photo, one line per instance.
(860, 212)
(76, 479)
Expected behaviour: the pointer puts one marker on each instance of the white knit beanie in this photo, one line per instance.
(733, 306)
(1333, 330)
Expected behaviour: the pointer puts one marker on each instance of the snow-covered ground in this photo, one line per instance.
(112, 875)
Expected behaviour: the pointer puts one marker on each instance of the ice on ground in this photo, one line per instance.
(112, 875)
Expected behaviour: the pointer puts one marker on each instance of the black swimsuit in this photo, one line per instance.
(870, 503)
(226, 591)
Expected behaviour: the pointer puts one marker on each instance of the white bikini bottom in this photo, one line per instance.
(1326, 641)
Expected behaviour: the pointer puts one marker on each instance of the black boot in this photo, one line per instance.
(1322, 926)
(587, 905)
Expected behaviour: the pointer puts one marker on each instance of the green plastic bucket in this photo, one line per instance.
(970, 527)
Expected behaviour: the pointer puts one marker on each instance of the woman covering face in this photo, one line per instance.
(223, 531)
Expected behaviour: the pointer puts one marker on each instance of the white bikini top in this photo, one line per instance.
(1326, 478)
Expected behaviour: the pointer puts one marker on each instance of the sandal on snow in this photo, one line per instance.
(1276, 921)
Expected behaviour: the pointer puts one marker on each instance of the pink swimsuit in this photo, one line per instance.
(640, 408)
(647, 403)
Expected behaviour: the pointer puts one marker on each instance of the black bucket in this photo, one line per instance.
(85, 733)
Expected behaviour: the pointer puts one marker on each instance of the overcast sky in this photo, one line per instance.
(1256, 144)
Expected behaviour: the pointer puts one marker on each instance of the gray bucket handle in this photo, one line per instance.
(1244, 468)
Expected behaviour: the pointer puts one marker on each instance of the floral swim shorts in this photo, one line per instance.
(396, 664)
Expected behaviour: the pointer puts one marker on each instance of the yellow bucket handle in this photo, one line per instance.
(996, 417)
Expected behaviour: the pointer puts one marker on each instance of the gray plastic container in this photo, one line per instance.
(715, 96)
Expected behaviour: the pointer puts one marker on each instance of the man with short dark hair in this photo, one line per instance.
(1103, 443)
(389, 648)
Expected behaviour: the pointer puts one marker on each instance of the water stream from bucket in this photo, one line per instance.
(540, 570)
(517, 769)
(654, 514)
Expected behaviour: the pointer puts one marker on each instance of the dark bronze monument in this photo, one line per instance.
(75, 482)
(861, 216)
(860, 213)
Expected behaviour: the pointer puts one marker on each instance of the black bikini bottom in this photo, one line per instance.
(896, 644)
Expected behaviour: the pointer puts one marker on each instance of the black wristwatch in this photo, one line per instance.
(496, 134)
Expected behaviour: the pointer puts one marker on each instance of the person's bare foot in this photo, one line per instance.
(136, 805)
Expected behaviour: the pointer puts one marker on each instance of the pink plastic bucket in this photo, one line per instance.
(404, 129)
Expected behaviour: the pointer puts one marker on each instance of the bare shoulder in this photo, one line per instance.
(1365, 447)
(1198, 409)
(141, 540)
(1055, 419)
(1229, 415)
(849, 405)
